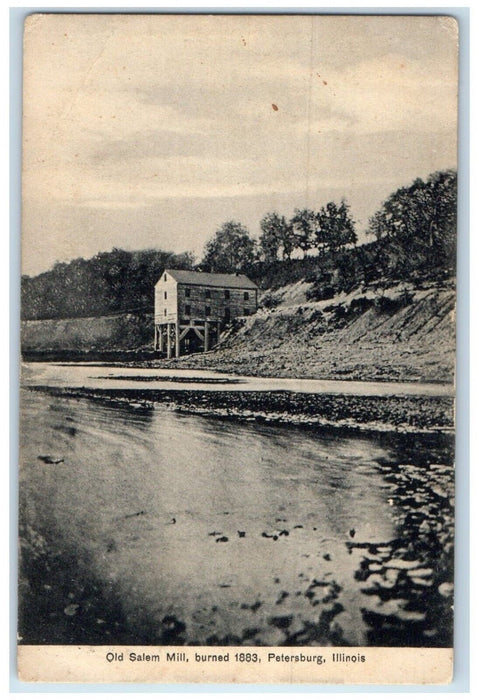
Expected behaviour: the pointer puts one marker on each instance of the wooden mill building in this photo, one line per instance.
(192, 308)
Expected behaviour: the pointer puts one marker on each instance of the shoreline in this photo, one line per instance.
(380, 414)
(183, 364)
(215, 362)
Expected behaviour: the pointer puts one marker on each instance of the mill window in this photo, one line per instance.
(166, 295)
(207, 310)
(246, 296)
(227, 293)
(246, 312)
(187, 310)
(208, 294)
(165, 312)
(187, 292)
(164, 278)
(227, 314)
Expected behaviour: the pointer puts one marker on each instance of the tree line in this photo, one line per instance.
(111, 282)
(414, 227)
(414, 233)
(232, 249)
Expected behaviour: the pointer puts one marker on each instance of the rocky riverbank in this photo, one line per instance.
(373, 413)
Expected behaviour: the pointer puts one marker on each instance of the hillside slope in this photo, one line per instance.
(394, 334)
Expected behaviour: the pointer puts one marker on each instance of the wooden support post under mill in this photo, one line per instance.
(168, 341)
(177, 338)
(207, 336)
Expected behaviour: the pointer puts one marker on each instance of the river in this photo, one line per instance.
(159, 527)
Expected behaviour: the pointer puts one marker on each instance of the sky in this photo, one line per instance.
(150, 131)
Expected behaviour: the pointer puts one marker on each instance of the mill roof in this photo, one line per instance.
(212, 279)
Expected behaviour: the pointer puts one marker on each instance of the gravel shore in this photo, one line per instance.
(373, 413)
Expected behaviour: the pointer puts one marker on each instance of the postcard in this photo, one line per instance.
(238, 348)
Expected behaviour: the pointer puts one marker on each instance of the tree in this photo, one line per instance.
(335, 227)
(288, 240)
(277, 234)
(440, 208)
(230, 250)
(418, 223)
(304, 226)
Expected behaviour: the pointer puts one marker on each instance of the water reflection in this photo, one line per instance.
(158, 527)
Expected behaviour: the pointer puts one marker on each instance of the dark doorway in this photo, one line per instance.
(191, 343)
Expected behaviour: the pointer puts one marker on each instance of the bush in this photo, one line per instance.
(322, 286)
(390, 306)
(270, 301)
(360, 305)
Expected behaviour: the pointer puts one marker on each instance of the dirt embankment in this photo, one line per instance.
(394, 334)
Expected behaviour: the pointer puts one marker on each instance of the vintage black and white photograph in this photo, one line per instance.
(238, 337)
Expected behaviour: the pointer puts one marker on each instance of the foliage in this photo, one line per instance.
(414, 231)
(230, 250)
(276, 274)
(270, 300)
(329, 229)
(304, 227)
(323, 286)
(417, 224)
(113, 281)
(391, 305)
(276, 235)
(335, 227)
